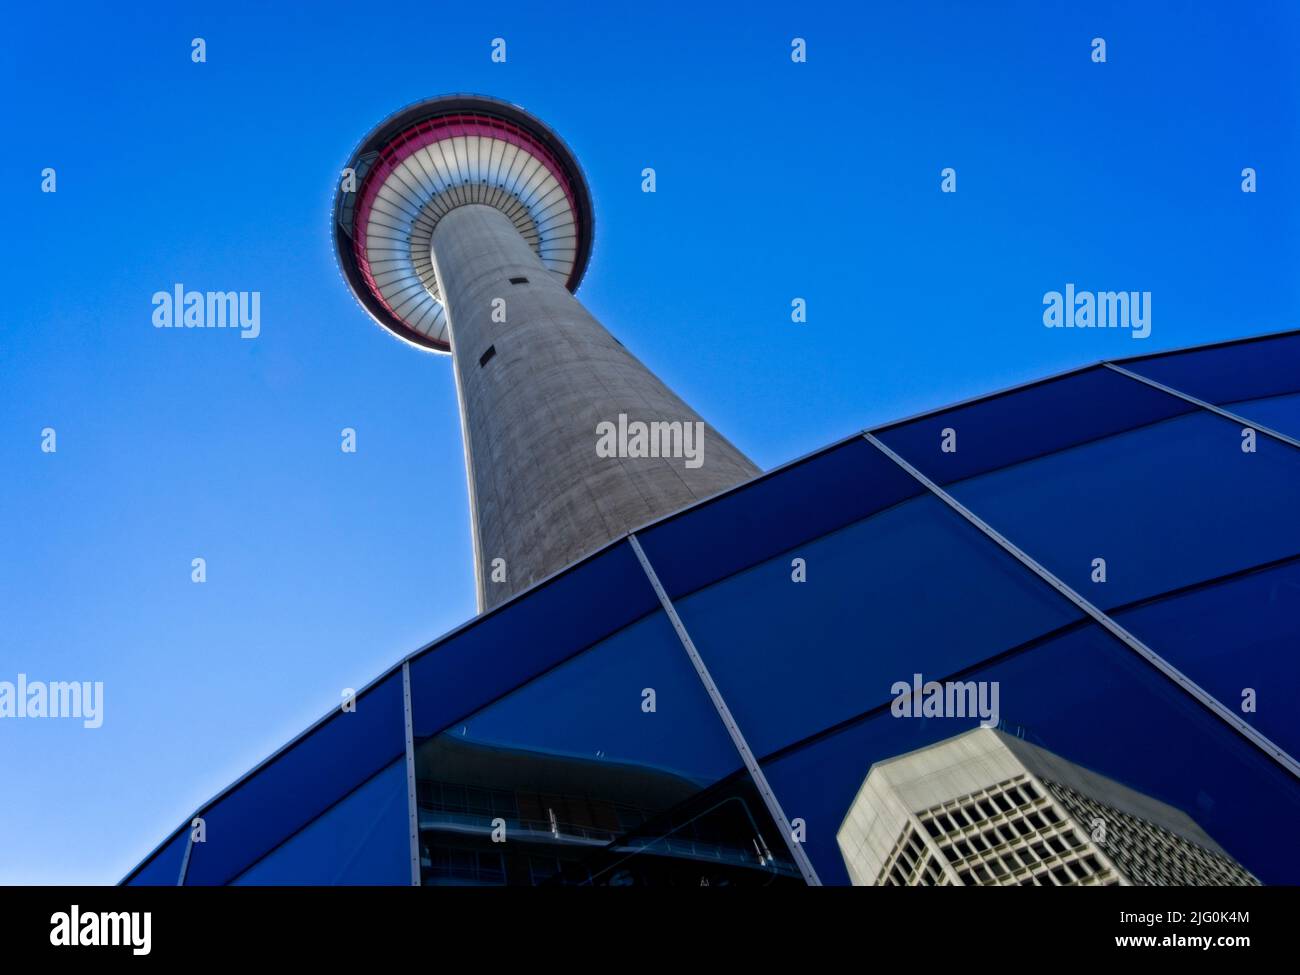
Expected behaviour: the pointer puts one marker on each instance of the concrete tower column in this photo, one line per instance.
(463, 225)
(536, 374)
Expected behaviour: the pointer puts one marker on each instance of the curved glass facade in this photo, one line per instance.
(1105, 565)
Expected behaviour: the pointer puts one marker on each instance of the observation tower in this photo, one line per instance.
(466, 229)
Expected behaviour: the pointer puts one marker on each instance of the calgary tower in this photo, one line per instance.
(463, 225)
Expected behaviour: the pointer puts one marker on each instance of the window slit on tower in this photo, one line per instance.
(518, 280)
(483, 359)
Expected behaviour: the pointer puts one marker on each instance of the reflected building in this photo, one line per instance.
(493, 816)
(988, 809)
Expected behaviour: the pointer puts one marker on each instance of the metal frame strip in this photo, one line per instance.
(1203, 404)
(189, 846)
(738, 739)
(1120, 633)
(412, 809)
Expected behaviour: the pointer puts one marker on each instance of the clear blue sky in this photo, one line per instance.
(775, 180)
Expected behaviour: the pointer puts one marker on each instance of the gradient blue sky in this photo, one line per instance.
(775, 180)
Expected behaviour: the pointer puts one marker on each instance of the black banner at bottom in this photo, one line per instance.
(338, 925)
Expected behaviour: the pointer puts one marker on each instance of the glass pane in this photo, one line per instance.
(164, 869)
(506, 648)
(1228, 373)
(300, 784)
(364, 839)
(1238, 639)
(1166, 506)
(1140, 777)
(1280, 413)
(721, 837)
(913, 589)
(771, 514)
(612, 769)
(1029, 422)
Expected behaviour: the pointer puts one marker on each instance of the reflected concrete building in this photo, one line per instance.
(988, 809)
(463, 226)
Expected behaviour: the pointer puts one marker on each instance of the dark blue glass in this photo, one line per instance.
(1242, 633)
(1090, 700)
(298, 785)
(1228, 373)
(164, 868)
(613, 768)
(508, 647)
(1166, 506)
(364, 839)
(913, 589)
(1029, 422)
(1279, 413)
(773, 513)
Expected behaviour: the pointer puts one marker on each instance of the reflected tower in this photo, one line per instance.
(464, 225)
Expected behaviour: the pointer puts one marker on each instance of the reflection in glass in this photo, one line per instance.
(613, 769)
(989, 809)
(1095, 703)
(565, 820)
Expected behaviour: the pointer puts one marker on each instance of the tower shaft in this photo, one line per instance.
(534, 390)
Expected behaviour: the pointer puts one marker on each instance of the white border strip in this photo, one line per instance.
(1117, 631)
(760, 780)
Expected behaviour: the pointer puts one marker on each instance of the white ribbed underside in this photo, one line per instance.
(447, 174)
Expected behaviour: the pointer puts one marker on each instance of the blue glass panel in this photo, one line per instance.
(298, 785)
(613, 768)
(1241, 633)
(1092, 702)
(164, 868)
(773, 513)
(1280, 413)
(1166, 506)
(1029, 422)
(1228, 373)
(913, 589)
(510, 646)
(364, 839)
